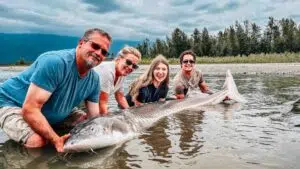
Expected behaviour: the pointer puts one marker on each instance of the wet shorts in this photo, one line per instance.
(13, 124)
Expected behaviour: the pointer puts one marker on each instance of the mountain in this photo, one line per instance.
(30, 46)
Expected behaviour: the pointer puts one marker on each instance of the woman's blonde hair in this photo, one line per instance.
(129, 50)
(147, 78)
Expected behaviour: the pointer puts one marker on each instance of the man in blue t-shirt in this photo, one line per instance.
(45, 93)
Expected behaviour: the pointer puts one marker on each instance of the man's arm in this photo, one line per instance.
(121, 99)
(36, 97)
(204, 88)
(103, 101)
(92, 109)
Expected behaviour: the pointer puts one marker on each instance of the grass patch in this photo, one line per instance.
(253, 58)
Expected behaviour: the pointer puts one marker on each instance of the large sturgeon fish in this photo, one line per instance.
(106, 131)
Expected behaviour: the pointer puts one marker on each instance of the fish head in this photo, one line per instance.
(97, 133)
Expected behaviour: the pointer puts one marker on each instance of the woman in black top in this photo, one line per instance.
(152, 86)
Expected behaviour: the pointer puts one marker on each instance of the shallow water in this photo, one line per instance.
(262, 133)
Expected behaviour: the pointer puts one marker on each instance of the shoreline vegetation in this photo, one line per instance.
(239, 40)
(252, 58)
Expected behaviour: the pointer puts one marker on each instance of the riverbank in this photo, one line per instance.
(251, 59)
(259, 68)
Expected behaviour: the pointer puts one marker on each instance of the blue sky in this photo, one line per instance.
(137, 19)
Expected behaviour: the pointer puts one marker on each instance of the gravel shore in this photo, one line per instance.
(268, 68)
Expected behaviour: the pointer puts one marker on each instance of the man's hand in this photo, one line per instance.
(60, 141)
(120, 98)
(179, 92)
(137, 103)
(179, 96)
(226, 98)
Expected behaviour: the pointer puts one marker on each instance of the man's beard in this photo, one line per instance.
(91, 63)
(188, 70)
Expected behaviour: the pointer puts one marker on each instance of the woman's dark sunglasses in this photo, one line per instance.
(129, 62)
(96, 46)
(187, 61)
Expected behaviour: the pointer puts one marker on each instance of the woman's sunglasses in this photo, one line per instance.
(188, 61)
(96, 46)
(129, 62)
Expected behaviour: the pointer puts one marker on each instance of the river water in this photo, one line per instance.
(262, 133)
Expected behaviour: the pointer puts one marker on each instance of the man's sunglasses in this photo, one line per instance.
(187, 61)
(96, 46)
(129, 62)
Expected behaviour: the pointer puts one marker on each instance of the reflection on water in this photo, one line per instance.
(262, 133)
(110, 157)
(157, 142)
(189, 143)
(15, 156)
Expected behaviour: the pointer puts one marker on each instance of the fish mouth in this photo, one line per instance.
(76, 148)
(99, 142)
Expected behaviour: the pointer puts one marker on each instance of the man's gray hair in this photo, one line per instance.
(88, 32)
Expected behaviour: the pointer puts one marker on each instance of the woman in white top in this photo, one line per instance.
(112, 75)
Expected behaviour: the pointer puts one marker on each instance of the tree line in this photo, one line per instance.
(240, 39)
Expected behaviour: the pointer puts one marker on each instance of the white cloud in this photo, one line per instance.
(137, 19)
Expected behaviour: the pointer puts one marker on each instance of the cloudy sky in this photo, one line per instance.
(137, 19)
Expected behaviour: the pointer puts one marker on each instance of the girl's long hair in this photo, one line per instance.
(147, 78)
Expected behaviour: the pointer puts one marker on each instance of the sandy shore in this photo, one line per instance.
(268, 68)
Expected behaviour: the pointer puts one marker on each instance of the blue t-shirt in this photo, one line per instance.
(56, 72)
(149, 94)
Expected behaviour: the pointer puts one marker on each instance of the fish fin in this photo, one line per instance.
(233, 92)
(93, 151)
(65, 155)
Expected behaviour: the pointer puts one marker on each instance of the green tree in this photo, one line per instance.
(21, 61)
(267, 40)
(196, 42)
(159, 47)
(239, 39)
(277, 43)
(297, 39)
(214, 48)
(265, 43)
(144, 48)
(288, 27)
(255, 38)
(241, 36)
(171, 48)
(222, 44)
(233, 42)
(206, 42)
(179, 42)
